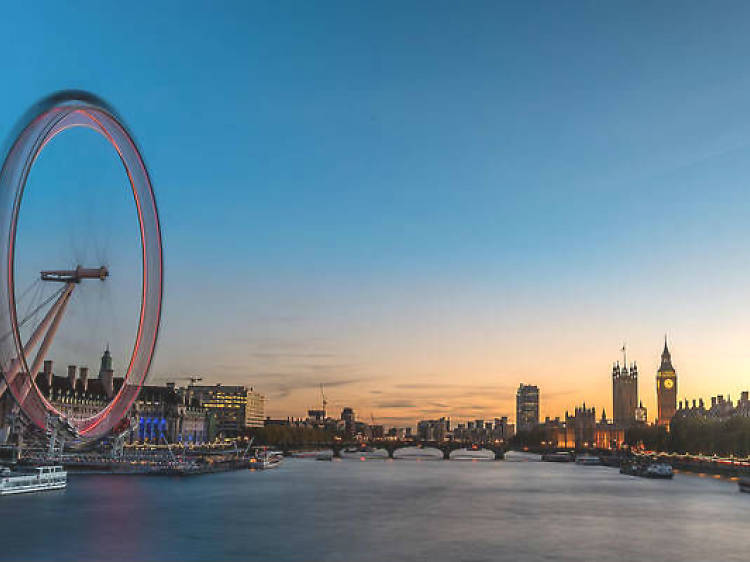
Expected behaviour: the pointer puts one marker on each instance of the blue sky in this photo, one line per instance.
(422, 205)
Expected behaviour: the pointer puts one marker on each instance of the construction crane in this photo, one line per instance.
(323, 397)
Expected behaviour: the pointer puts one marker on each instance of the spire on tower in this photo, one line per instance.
(666, 357)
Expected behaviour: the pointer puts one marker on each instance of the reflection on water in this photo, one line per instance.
(378, 510)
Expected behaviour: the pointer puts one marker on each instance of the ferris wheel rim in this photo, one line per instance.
(55, 114)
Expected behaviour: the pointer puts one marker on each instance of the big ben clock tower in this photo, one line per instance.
(666, 388)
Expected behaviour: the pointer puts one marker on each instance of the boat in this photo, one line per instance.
(558, 456)
(418, 454)
(38, 479)
(647, 470)
(659, 470)
(265, 459)
(611, 460)
(588, 460)
(744, 484)
(363, 453)
(472, 454)
(304, 454)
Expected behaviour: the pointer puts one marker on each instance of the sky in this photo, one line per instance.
(418, 205)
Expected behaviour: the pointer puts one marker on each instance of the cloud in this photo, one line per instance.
(396, 404)
(275, 355)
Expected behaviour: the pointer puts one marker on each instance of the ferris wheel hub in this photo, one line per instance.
(75, 275)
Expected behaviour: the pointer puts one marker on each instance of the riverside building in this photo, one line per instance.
(720, 409)
(159, 413)
(582, 431)
(234, 407)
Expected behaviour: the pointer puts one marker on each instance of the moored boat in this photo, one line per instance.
(39, 479)
(659, 470)
(611, 460)
(744, 484)
(588, 460)
(265, 459)
(647, 469)
(558, 456)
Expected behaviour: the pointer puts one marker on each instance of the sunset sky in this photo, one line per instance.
(418, 206)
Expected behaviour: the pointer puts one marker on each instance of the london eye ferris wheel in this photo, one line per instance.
(26, 339)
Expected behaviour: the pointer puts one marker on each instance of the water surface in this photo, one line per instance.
(382, 510)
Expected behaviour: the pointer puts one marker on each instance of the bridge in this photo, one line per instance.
(446, 447)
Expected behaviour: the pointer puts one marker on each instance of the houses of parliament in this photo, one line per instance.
(627, 410)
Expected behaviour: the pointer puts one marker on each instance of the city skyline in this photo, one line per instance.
(417, 224)
(487, 414)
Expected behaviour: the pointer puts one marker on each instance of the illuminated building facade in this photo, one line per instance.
(256, 410)
(666, 388)
(161, 415)
(228, 404)
(583, 431)
(641, 414)
(527, 407)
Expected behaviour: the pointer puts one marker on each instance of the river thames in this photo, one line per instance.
(382, 510)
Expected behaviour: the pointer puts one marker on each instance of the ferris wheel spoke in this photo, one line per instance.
(16, 364)
(46, 343)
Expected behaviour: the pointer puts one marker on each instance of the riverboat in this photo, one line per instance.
(265, 459)
(39, 479)
(611, 460)
(744, 484)
(647, 470)
(325, 455)
(363, 453)
(558, 456)
(588, 460)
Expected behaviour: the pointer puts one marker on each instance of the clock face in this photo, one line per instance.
(668, 383)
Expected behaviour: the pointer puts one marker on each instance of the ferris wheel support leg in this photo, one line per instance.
(15, 365)
(44, 348)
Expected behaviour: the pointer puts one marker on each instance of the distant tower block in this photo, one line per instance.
(527, 407)
(666, 388)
